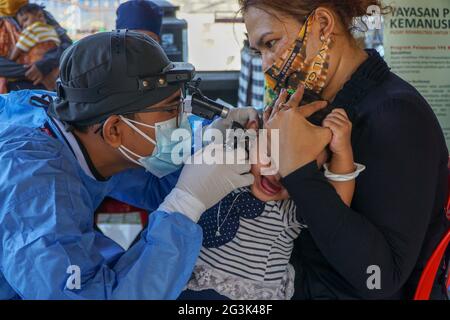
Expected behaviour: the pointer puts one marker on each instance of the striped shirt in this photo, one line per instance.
(255, 263)
(37, 32)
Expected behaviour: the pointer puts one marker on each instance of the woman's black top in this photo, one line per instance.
(397, 217)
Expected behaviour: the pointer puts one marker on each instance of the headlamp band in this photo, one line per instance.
(119, 83)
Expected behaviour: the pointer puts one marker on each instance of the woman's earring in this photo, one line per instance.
(322, 38)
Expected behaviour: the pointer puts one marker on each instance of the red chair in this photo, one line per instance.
(428, 276)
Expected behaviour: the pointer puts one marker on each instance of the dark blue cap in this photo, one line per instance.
(140, 15)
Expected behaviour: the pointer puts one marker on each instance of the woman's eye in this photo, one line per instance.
(271, 44)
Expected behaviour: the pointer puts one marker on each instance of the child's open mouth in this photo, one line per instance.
(270, 186)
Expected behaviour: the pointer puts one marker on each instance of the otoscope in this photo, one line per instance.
(200, 105)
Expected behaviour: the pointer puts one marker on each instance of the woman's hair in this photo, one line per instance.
(346, 10)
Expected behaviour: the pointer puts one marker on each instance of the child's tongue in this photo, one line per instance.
(270, 187)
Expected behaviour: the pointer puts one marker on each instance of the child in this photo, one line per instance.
(35, 31)
(249, 236)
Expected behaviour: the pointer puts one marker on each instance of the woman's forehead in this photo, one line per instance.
(261, 22)
(261, 19)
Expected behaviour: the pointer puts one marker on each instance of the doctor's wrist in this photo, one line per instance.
(184, 203)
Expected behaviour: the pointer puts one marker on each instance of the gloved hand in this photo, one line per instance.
(240, 115)
(202, 185)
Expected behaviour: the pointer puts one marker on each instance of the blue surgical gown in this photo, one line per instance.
(47, 205)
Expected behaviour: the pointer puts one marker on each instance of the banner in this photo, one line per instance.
(417, 48)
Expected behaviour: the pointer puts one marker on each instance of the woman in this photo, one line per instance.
(40, 74)
(377, 248)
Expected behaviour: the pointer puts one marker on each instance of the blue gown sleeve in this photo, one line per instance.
(142, 189)
(46, 230)
(45, 236)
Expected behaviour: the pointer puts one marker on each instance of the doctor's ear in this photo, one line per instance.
(113, 131)
(327, 22)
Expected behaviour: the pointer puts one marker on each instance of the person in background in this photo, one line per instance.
(9, 35)
(35, 30)
(141, 16)
(39, 74)
(251, 79)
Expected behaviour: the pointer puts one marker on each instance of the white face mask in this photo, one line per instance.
(160, 162)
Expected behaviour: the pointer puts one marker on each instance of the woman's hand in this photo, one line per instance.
(341, 127)
(272, 110)
(300, 141)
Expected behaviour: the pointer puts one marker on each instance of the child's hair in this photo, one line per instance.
(31, 8)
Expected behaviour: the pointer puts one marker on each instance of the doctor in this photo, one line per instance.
(118, 102)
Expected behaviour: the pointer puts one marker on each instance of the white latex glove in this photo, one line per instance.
(240, 115)
(201, 186)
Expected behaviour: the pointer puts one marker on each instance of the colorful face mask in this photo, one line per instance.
(292, 68)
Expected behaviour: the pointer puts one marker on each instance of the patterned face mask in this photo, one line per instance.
(293, 68)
